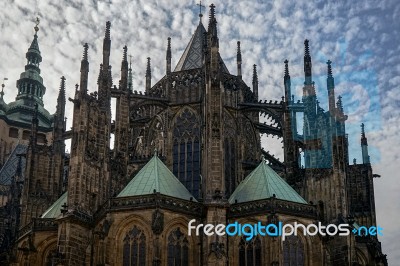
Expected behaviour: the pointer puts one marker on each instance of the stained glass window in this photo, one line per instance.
(134, 249)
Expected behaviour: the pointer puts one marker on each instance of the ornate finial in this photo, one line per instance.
(200, 6)
(108, 26)
(286, 68)
(125, 56)
(85, 51)
(36, 25)
(262, 158)
(329, 63)
(130, 61)
(155, 152)
(2, 88)
(306, 48)
(212, 11)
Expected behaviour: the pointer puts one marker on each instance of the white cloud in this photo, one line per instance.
(269, 34)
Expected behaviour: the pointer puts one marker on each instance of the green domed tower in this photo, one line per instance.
(30, 92)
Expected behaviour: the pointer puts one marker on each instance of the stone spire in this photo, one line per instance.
(168, 57)
(59, 119)
(255, 82)
(212, 28)
(287, 82)
(124, 70)
(148, 75)
(307, 64)
(330, 84)
(364, 146)
(105, 77)
(239, 60)
(84, 70)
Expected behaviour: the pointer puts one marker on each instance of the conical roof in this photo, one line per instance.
(55, 210)
(192, 56)
(156, 177)
(264, 183)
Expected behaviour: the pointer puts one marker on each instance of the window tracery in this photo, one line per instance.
(250, 252)
(186, 151)
(178, 249)
(134, 249)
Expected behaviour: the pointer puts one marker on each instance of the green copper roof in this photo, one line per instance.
(263, 183)
(55, 210)
(155, 175)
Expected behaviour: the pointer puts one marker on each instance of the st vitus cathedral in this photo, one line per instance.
(186, 148)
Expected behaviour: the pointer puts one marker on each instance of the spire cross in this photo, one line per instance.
(200, 6)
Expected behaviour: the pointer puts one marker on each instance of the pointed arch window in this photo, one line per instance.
(250, 252)
(293, 251)
(186, 151)
(178, 249)
(134, 249)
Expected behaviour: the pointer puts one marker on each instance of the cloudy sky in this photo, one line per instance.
(360, 38)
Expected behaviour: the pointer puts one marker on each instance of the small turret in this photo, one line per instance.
(30, 85)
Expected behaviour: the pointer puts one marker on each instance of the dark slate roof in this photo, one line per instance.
(155, 176)
(10, 167)
(264, 183)
(191, 58)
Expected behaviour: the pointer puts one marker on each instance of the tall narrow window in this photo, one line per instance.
(293, 251)
(250, 252)
(134, 249)
(178, 249)
(186, 151)
(230, 167)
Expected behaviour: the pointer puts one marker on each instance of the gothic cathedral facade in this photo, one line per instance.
(186, 151)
